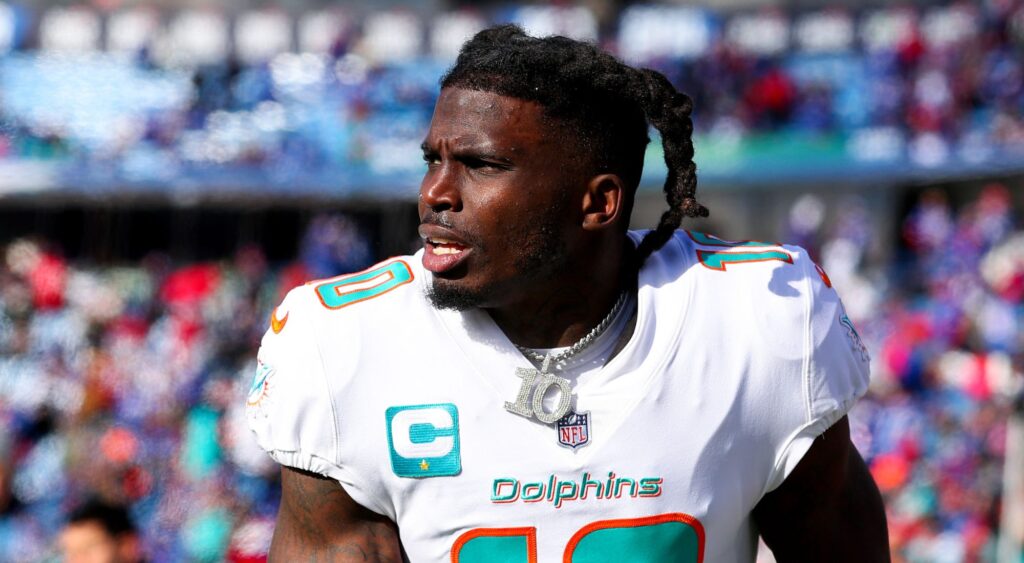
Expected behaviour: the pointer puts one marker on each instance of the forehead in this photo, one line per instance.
(474, 118)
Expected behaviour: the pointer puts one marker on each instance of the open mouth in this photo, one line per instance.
(443, 247)
(441, 254)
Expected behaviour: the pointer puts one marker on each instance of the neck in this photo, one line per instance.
(559, 311)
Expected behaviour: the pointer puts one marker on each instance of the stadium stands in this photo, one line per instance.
(324, 103)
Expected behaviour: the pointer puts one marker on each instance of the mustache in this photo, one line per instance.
(441, 219)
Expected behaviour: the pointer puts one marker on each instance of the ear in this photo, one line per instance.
(603, 202)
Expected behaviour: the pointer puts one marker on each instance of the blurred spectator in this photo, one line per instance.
(100, 533)
(332, 244)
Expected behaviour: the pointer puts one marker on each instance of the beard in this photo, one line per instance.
(542, 253)
(447, 296)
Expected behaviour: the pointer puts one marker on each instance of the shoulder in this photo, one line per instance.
(388, 286)
(367, 286)
(774, 323)
(776, 308)
(317, 318)
(771, 286)
(776, 295)
(747, 262)
(352, 303)
(310, 351)
(738, 276)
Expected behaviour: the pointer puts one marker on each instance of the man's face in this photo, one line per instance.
(496, 204)
(88, 542)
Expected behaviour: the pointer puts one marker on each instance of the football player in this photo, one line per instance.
(539, 383)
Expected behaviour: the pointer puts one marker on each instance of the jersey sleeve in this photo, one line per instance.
(289, 406)
(835, 368)
(292, 406)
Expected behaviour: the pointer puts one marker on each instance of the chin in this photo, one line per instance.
(447, 295)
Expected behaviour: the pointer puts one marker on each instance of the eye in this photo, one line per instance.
(485, 166)
(431, 159)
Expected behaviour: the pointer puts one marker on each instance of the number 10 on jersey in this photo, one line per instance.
(665, 538)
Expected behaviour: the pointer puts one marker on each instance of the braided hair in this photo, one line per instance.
(598, 102)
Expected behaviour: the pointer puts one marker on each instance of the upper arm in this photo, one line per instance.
(319, 521)
(828, 508)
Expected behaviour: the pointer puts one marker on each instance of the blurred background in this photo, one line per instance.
(170, 168)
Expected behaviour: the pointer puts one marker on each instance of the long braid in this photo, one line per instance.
(668, 110)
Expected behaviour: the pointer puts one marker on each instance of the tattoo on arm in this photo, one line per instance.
(319, 521)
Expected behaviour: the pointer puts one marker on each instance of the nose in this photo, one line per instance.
(438, 191)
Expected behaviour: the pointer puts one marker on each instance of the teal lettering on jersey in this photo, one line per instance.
(424, 440)
(672, 540)
(559, 491)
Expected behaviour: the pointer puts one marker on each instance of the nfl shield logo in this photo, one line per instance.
(574, 430)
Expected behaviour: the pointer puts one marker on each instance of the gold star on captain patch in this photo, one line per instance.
(424, 465)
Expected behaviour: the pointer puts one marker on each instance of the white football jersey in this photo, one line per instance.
(741, 355)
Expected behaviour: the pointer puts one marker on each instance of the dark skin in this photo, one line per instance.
(493, 168)
(828, 508)
(318, 521)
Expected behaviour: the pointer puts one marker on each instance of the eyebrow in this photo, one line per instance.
(470, 152)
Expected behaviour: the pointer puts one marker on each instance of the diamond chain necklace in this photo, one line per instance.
(579, 345)
(530, 399)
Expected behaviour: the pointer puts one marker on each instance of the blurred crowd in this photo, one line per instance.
(943, 322)
(126, 383)
(149, 103)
